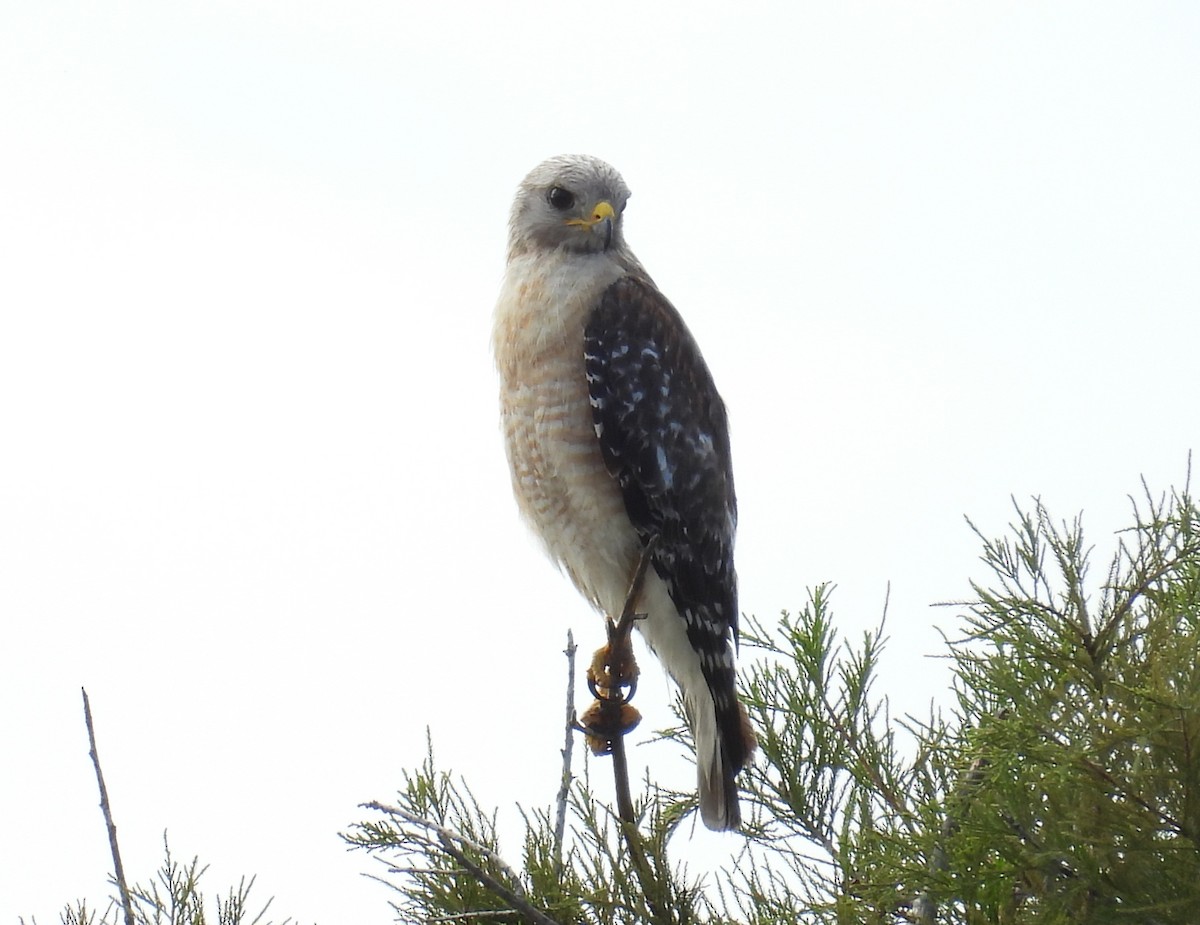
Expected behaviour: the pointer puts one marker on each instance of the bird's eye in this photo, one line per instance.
(560, 198)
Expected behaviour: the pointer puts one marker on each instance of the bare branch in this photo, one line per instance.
(564, 789)
(119, 869)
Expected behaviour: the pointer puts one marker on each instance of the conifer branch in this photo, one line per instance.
(453, 844)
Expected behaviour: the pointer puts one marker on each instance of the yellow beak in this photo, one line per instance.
(603, 211)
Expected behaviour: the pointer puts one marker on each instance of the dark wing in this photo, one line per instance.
(664, 434)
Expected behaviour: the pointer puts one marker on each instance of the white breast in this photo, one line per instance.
(558, 474)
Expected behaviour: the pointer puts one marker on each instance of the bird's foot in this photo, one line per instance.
(605, 721)
(612, 678)
(613, 666)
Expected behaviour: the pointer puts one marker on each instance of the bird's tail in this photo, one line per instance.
(698, 653)
(724, 743)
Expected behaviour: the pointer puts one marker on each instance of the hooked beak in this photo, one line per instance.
(603, 215)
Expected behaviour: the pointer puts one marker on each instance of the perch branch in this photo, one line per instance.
(619, 635)
(613, 671)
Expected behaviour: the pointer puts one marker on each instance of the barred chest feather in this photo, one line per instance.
(558, 473)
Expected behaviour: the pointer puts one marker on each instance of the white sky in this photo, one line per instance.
(252, 493)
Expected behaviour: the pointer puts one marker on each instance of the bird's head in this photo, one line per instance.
(573, 202)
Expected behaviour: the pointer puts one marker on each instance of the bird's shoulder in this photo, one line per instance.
(636, 333)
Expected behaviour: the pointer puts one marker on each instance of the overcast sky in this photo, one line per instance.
(252, 491)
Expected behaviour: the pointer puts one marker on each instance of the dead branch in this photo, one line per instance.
(564, 790)
(119, 869)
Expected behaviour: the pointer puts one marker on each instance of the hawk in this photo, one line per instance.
(615, 435)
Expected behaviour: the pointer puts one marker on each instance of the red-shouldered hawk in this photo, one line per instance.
(615, 433)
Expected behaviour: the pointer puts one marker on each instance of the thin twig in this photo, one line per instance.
(122, 886)
(449, 841)
(564, 789)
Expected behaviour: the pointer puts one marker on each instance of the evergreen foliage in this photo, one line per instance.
(1061, 785)
(174, 897)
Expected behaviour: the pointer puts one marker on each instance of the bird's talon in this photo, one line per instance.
(605, 721)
